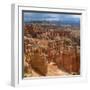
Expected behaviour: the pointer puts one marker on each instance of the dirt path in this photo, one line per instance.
(53, 70)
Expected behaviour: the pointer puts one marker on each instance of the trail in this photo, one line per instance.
(53, 70)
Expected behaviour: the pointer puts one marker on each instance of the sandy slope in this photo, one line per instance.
(53, 70)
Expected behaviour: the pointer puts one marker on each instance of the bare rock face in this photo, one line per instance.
(39, 63)
(27, 67)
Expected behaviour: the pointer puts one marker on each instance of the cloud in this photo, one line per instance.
(76, 16)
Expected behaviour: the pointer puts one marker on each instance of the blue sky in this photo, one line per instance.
(37, 16)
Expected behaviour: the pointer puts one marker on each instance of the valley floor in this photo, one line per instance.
(53, 70)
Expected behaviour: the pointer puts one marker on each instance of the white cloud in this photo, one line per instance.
(76, 16)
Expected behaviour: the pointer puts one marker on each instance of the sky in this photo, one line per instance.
(44, 16)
